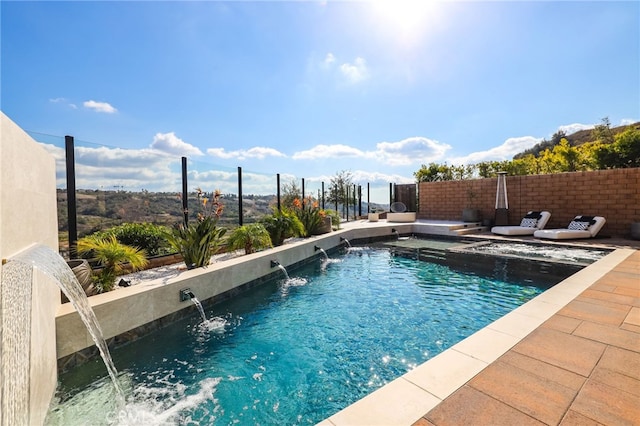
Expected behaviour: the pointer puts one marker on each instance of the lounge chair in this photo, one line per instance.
(580, 227)
(532, 222)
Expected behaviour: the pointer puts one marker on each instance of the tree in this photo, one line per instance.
(290, 191)
(337, 193)
(603, 133)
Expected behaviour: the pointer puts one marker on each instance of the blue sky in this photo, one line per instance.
(307, 89)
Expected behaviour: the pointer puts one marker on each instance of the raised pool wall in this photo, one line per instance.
(28, 216)
(126, 313)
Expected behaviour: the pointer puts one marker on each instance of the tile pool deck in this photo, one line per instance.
(571, 356)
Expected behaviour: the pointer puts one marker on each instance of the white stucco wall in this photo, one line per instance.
(28, 216)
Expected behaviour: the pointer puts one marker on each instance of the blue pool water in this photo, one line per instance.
(297, 351)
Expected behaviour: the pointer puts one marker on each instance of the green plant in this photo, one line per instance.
(251, 238)
(198, 241)
(309, 214)
(148, 236)
(112, 255)
(281, 225)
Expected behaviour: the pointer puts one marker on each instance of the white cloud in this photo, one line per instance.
(355, 72)
(506, 151)
(575, 127)
(411, 151)
(406, 152)
(128, 169)
(171, 144)
(329, 59)
(627, 121)
(258, 152)
(100, 106)
(329, 151)
(63, 101)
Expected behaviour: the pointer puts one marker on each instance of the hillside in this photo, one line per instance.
(575, 139)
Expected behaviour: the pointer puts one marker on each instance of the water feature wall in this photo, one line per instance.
(28, 300)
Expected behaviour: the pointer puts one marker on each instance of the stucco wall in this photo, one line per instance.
(614, 194)
(27, 216)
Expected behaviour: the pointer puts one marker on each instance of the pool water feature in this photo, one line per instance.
(569, 254)
(288, 353)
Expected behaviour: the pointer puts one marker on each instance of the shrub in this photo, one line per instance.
(251, 238)
(112, 255)
(198, 241)
(282, 225)
(154, 239)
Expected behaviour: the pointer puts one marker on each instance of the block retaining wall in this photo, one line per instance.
(613, 194)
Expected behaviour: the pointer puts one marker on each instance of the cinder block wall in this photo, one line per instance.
(614, 194)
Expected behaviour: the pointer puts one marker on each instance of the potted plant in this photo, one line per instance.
(373, 215)
(251, 238)
(470, 213)
(198, 241)
(112, 256)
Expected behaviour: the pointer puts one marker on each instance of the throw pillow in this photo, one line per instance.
(529, 223)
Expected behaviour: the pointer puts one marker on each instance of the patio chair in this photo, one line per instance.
(532, 222)
(580, 227)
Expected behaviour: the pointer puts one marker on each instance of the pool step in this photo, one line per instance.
(470, 230)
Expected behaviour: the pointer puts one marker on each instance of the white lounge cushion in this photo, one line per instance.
(540, 218)
(594, 225)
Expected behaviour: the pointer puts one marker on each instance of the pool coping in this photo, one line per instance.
(406, 399)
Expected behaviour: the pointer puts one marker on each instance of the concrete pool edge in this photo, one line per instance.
(406, 399)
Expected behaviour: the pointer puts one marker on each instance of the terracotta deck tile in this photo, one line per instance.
(607, 405)
(573, 418)
(595, 312)
(633, 318)
(561, 323)
(539, 397)
(546, 371)
(563, 350)
(621, 361)
(629, 327)
(423, 422)
(615, 298)
(614, 336)
(468, 406)
(627, 291)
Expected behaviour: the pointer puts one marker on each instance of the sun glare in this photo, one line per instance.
(404, 16)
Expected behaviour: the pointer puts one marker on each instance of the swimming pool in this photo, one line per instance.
(296, 351)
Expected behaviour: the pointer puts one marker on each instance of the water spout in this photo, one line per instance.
(275, 263)
(393, 230)
(324, 253)
(51, 263)
(346, 241)
(187, 294)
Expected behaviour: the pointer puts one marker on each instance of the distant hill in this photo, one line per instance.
(575, 139)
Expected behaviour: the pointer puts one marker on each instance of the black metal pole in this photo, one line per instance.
(278, 191)
(71, 197)
(303, 192)
(347, 202)
(185, 192)
(359, 200)
(390, 194)
(240, 196)
(368, 199)
(322, 195)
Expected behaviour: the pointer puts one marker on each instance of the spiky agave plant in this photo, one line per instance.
(112, 256)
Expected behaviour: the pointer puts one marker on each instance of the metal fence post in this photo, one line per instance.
(185, 193)
(72, 217)
(240, 213)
